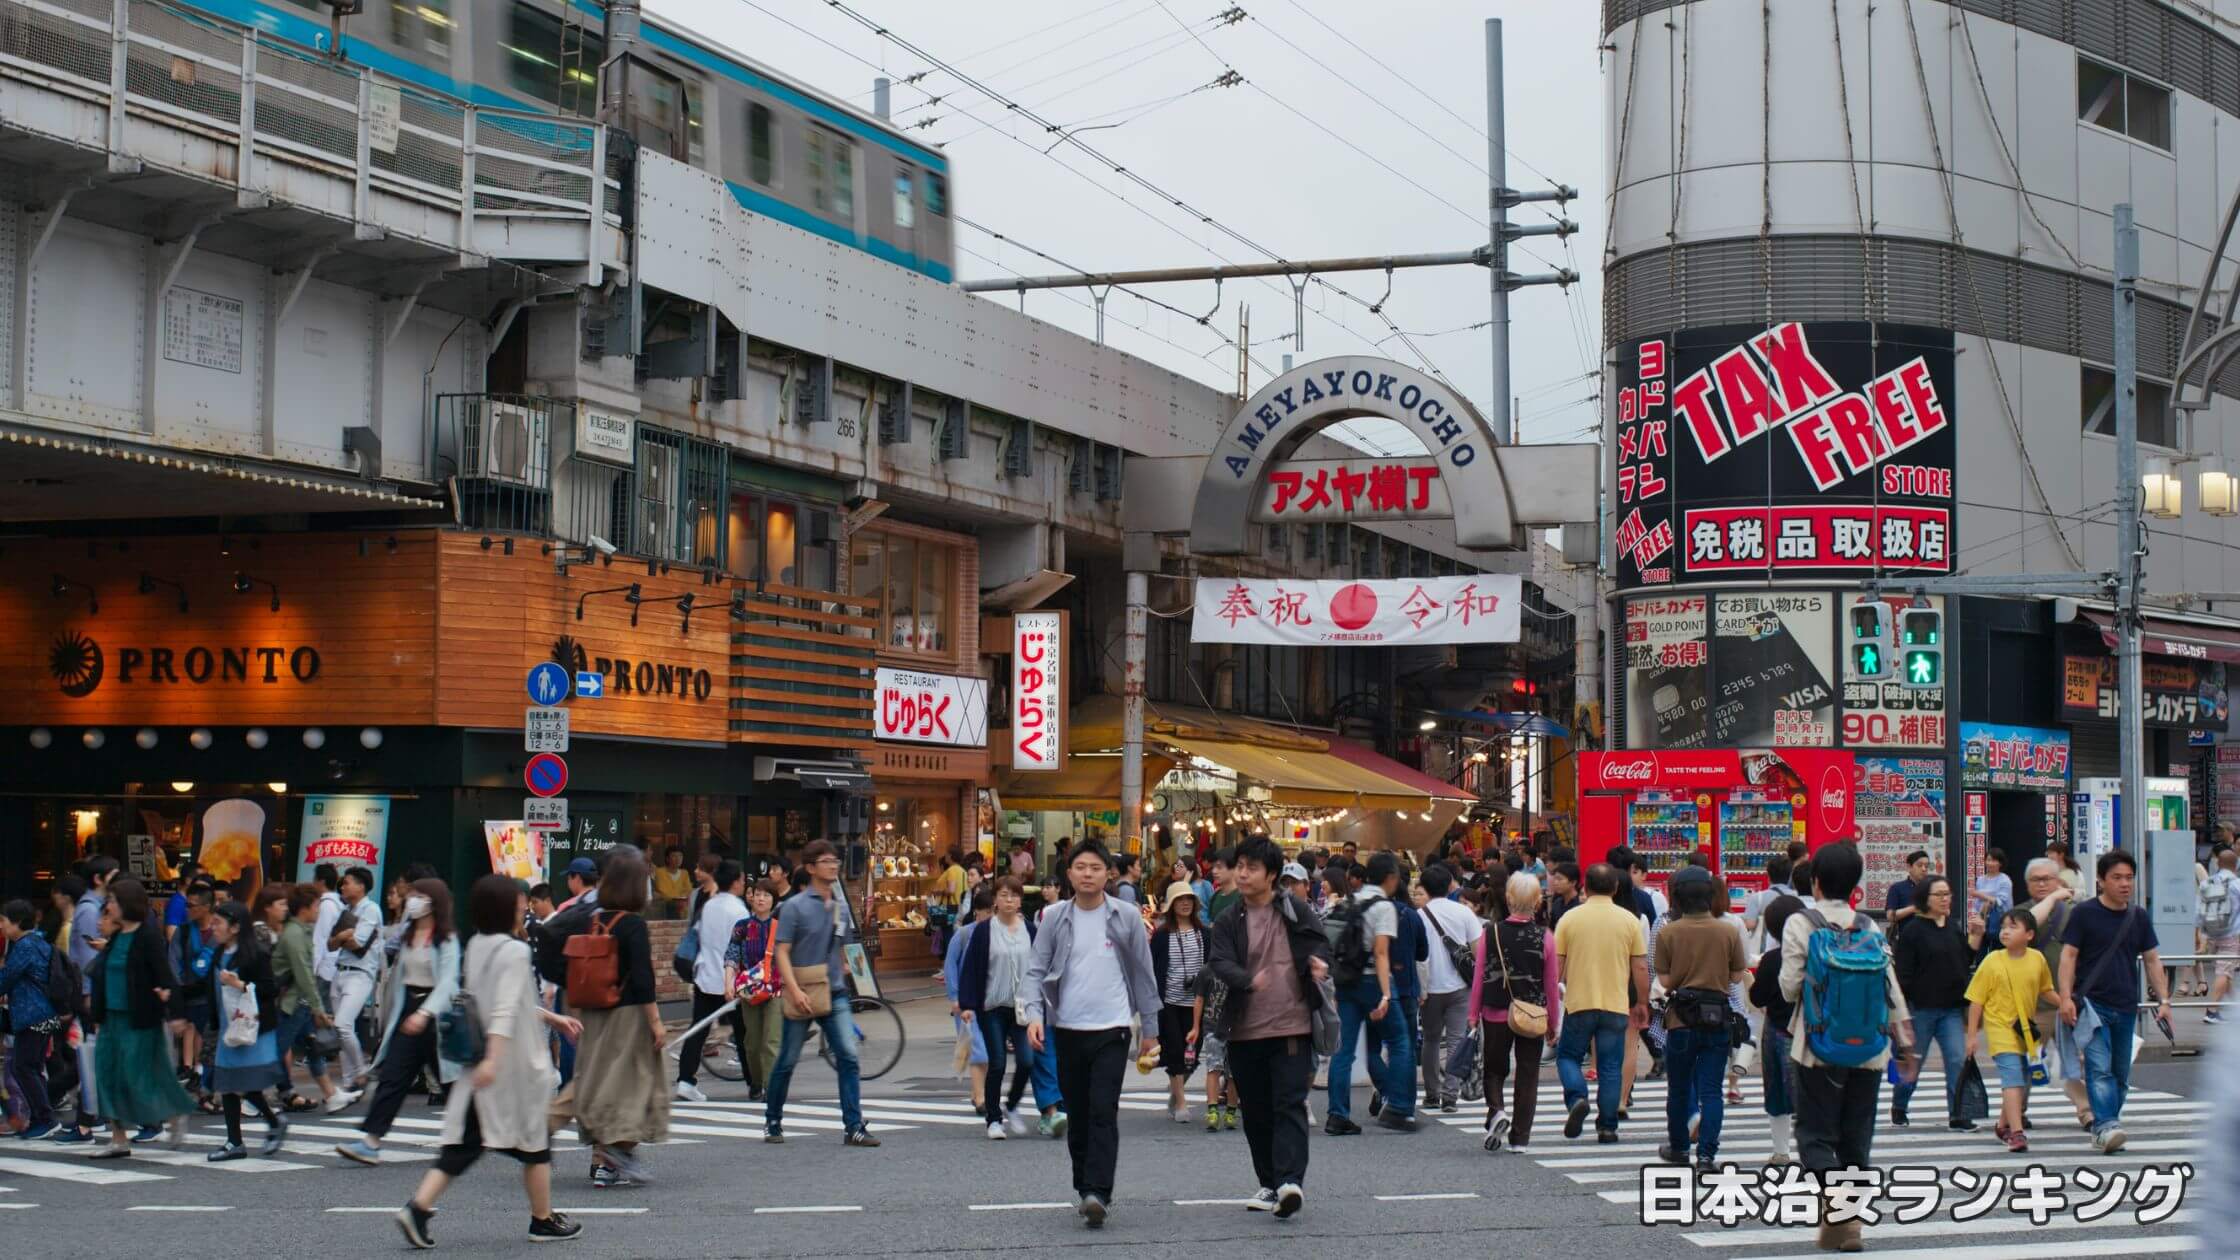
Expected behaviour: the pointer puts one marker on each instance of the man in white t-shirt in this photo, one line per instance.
(719, 913)
(1449, 926)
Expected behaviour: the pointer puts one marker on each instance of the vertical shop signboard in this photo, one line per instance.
(1899, 806)
(1668, 700)
(1038, 691)
(1771, 660)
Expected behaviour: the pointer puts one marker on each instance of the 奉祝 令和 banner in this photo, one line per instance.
(1466, 608)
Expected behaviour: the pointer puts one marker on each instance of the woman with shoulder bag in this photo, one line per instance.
(246, 1060)
(499, 1104)
(1516, 1004)
(1698, 960)
(418, 988)
(621, 1081)
(751, 976)
(133, 985)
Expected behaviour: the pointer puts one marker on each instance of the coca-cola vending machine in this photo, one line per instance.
(1738, 806)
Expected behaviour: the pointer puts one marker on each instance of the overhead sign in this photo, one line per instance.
(1800, 450)
(1353, 490)
(1038, 691)
(591, 686)
(544, 729)
(2174, 694)
(1466, 608)
(922, 708)
(546, 774)
(545, 813)
(1314, 396)
(2013, 758)
(548, 683)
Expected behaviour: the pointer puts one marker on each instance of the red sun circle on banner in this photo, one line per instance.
(1353, 607)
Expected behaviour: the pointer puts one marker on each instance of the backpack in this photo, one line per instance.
(1846, 996)
(595, 966)
(65, 984)
(1347, 925)
(2218, 905)
(548, 941)
(686, 960)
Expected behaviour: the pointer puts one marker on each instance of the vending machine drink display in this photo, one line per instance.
(1739, 807)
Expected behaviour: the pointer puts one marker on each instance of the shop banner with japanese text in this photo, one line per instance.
(346, 831)
(1900, 806)
(2013, 758)
(2174, 694)
(1772, 653)
(1668, 676)
(1467, 608)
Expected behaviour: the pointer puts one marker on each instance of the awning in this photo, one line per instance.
(834, 780)
(2162, 636)
(1407, 776)
(56, 476)
(1296, 776)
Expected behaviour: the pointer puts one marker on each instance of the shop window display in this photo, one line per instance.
(909, 830)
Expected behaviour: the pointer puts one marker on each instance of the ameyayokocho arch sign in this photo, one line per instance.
(1314, 396)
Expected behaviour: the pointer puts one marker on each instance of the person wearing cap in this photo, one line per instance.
(1178, 954)
(1698, 958)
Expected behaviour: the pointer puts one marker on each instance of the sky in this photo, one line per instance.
(1379, 149)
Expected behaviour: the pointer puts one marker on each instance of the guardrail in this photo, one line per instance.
(277, 103)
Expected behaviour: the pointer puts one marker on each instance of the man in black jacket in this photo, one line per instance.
(1269, 949)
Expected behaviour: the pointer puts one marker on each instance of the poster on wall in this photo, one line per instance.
(232, 852)
(1899, 802)
(1799, 450)
(1771, 656)
(2174, 694)
(346, 831)
(1668, 702)
(515, 850)
(1884, 712)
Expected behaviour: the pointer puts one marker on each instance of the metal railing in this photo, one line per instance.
(278, 103)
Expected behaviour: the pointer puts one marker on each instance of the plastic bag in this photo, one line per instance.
(1973, 1101)
(241, 1016)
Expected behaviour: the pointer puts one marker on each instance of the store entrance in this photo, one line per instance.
(2018, 829)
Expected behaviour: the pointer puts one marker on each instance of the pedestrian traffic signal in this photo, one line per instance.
(1921, 645)
(1870, 639)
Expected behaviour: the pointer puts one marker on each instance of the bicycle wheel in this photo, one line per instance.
(723, 1057)
(879, 1039)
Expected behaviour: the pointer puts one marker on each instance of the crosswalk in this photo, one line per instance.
(2163, 1130)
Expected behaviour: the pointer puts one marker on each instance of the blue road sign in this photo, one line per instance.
(591, 686)
(548, 683)
(546, 774)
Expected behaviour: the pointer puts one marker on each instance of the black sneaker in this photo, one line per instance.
(554, 1228)
(1706, 1164)
(1607, 1137)
(1449, 1105)
(1092, 1211)
(1957, 1125)
(1575, 1120)
(413, 1220)
(1289, 1200)
(861, 1137)
(1398, 1123)
(1376, 1104)
(1670, 1156)
(1340, 1126)
(773, 1134)
(1898, 1117)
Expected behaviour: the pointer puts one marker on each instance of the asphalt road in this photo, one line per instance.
(939, 1186)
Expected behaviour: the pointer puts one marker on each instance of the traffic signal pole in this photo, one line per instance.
(2130, 543)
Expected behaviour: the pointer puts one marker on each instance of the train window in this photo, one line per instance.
(937, 195)
(762, 145)
(554, 61)
(905, 200)
(696, 151)
(832, 174)
(422, 26)
(654, 110)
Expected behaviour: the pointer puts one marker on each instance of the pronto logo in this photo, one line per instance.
(76, 663)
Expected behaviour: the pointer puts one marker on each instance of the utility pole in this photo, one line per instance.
(1500, 199)
(1137, 623)
(2129, 543)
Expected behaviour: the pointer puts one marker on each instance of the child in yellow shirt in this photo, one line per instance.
(2002, 999)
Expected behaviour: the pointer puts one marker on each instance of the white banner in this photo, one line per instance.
(1037, 691)
(924, 708)
(1468, 608)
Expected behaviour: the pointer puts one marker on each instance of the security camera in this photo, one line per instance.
(602, 546)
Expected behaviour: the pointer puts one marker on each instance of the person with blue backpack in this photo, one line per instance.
(1851, 1021)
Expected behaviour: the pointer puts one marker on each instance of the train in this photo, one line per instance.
(786, 150)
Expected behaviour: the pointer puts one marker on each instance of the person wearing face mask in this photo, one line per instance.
(242, 972)
(419, 988)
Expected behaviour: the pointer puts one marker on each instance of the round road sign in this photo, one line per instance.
(546, 774)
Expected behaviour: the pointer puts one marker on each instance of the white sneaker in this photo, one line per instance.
(1262, 1200)
(2108, 1143)
(1181, 1115)
(1014, 1124)
(995, 1131)
(341, 1100)
(686, 1091)
(1497, 1132)
(1289, 1199)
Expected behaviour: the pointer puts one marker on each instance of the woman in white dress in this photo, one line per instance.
(500, 1104)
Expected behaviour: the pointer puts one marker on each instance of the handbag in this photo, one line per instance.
(459, 1030)
(1460, 954)
(1467, 1063)
(1526, 1019)
(324, 1042)
(1973, 1101)
(759, 983)
(241, 1017)
(1326, 1018)
(815, 983)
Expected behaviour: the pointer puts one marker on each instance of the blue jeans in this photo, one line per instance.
(1354, 1005)
(1774, 1060)
(565, 1047)
(1606, 1031)
(1695, 1073)
(1947, 1029)
(840, 1034)
(1007, 1043)
(1046, 1094)
(1396, 1067)
(2107, 1063)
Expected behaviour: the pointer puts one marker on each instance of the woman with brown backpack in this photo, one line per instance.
(621, 1082)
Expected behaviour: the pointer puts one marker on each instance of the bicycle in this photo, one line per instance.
(878, 1046)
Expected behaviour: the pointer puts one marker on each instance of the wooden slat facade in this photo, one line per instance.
(803, 669)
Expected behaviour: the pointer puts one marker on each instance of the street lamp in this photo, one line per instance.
(2165, 492)
(2220, 491)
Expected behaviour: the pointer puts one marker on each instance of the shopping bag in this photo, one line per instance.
(241, 1015)
(1973, 1102)
(1467, 1063)
(2041, 1070)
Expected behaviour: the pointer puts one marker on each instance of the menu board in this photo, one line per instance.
(1668, 702)
(1772, 654)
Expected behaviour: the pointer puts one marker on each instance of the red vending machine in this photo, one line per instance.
(1739, 807)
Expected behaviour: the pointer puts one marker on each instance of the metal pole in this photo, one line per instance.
(2129, 714)
(1131, 712)
(1497, 213)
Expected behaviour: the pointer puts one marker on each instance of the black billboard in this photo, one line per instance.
(1797, 451)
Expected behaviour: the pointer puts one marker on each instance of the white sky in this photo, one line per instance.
(1246, 156)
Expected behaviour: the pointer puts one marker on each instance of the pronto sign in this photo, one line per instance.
(1313, 397)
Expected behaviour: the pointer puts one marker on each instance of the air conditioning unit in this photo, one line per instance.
(513, 443)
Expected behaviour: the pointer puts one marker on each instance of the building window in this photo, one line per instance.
(422, 26)
(762, 145)
(2107, 97)
(2158, 420)
(832, 174)
(780, 541)
(915, 578)
(905, 200)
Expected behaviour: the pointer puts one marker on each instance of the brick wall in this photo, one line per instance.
(666, 933)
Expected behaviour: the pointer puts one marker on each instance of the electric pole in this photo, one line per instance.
(2130, 543)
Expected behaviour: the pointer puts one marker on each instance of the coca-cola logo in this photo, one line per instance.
(1834, 801)
(1632, 770)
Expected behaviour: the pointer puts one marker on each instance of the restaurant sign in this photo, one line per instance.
(921, 708)
(1038, 691)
